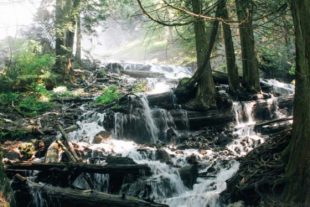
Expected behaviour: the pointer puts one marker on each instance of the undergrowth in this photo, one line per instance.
(108, 95)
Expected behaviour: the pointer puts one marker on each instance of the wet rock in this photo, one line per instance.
(114, 67)
(192, 159)
(189, 175)
(163, 100)
(101, 136)
(119, 160)
(223, 139)
(12, 155)
(171, 135)
(162, 156)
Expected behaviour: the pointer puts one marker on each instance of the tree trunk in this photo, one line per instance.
(59, 42)
(297, 190)
(249, 61)
(78, 51)
(232, 70)
(66, 12)
(205, 96)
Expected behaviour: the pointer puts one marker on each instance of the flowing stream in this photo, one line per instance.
(166, 184)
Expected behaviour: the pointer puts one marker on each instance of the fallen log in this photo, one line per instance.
(73, 99)
(197, 120)
(68, 197)
(67, 144)
(273, 121)
(143, 74)
(162, 100)
(81, 167)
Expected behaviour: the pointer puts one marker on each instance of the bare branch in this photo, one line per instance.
(160, 21)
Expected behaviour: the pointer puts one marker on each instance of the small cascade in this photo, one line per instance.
(38, 200)
(247, 139)
(140, 123)
(150, 123)
(274, 107)
(89, 126)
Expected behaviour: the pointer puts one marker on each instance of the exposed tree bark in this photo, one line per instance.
(232, 70)
(249, 60)
(78, 52)
(59, 43)
(205, 96)
(297, 191)
(66, 12)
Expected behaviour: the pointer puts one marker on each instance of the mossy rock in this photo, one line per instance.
(185, 91)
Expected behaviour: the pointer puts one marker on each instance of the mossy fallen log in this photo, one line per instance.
(81, 167)
(57, 196)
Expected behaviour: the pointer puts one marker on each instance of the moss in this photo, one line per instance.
(140, 87)
(108, 95)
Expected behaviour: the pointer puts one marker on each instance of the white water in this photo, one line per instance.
(149, 119)
(165, 184)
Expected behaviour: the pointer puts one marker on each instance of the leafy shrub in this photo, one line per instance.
(41, 90)
(6, 99)
(108, 95)
(27, 104)
(31, 106)
(29, 65)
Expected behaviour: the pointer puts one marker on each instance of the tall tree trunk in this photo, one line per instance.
(249, 61)
(233, 77)
(78, 51)
(206, 90)
(66, 11)
(59, 42)
(297, 191)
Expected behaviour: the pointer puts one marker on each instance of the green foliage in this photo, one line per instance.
(27, 104)
(139, 87)
(292, 70)
(27, 66)
(7, 99)
(31, 106)
(30, 61)
(108, 95)
(41, 90)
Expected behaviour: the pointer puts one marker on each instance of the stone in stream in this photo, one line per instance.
(114, 67)
(162, 156)
(119, 160)
(101, 136)
(189, 175)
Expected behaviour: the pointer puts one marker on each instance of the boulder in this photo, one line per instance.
(119, 160)
(114, 68)
(189, 175)
(101, 136)
(162, 156)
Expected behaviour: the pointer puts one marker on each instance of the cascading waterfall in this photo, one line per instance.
(165, 185)
(150, 123)
(244, 129)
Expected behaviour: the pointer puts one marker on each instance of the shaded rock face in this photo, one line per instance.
(114, 68)
(119, 160)
(189, 175)
(162, 156)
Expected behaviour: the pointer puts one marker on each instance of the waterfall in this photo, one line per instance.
(247, 139)
(152, 128)
(141, 125)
